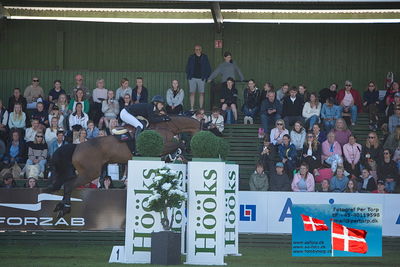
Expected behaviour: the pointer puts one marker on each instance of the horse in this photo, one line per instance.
(87, 159)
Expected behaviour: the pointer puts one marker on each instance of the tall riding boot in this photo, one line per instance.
(138, 131)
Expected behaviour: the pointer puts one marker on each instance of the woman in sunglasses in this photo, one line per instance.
(278, 132)
(37, 152)
(387, 171)
(372, 151)
(311, 153)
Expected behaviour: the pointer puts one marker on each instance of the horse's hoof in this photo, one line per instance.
(63, 212)
(59, 207)
(60, 215)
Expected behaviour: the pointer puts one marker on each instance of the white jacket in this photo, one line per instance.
(219, 122)
(74, 120)
(308, 112)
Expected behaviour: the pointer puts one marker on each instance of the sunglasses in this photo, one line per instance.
(385, 153)
(310, 136)
(39, 136)
(35, 80)
(279, 124)
(371, 137)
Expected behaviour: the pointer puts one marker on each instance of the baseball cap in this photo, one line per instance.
(279, 164)
(380, 181)
(397, 94)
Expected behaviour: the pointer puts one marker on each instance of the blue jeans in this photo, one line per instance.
(267, 120)
(353, 111)
(312, 120)
(229, 117)
(390, 186)
(252, 112)
(329, 125)
(41, 163)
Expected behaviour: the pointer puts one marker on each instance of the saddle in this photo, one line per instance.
(126, 133)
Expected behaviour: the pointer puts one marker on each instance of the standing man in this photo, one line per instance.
(198, 70)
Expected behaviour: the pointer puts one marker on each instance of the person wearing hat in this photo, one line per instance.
(279, 180)
(153, 111)
(394, 120)
(393, 105)
(381, 187)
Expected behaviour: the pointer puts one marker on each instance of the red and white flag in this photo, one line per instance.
(312, 224)
(348, 239)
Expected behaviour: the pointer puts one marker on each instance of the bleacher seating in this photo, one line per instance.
(245, 144)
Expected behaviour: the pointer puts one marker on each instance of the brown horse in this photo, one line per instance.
(88, 158)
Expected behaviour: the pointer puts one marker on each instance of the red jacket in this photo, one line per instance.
(356, 96)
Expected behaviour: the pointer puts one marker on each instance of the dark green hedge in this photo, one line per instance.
(150, 144)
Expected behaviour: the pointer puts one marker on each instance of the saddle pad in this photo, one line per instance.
(117, 131)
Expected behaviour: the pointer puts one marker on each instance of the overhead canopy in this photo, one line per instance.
(218, 12)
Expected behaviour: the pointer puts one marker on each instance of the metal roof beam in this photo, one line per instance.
(217, 16)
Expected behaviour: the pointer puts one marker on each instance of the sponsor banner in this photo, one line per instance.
(179, 224)
(92, 210)
(140, 221)
(337, 230)
(232, 209)
(274, 209)
(206, 213)
(253, 212)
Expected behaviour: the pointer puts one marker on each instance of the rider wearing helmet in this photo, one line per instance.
(153, 111)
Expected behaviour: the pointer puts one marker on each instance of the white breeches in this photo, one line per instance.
(130, 119)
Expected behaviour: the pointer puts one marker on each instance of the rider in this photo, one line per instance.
(153, 111)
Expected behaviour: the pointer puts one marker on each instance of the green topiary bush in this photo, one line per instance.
(204, 144)
(223, 147)
(150, 144)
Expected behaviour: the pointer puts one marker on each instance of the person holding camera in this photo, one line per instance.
(110, 109)
(216, 122)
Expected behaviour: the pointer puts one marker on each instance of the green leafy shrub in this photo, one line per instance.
(150, 144)
(223, 147)
(205, 144)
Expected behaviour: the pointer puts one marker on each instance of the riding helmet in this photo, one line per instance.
(158, 99)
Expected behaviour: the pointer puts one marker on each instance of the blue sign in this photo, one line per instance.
(248, 213)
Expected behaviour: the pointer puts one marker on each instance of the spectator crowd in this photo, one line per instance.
(307, 145)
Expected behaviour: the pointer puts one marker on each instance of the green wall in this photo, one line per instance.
(314, 54)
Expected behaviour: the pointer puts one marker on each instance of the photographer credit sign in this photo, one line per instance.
(206, 213)
(337, 230)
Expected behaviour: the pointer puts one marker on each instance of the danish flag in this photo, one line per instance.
(348, 239)
(312, 224)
